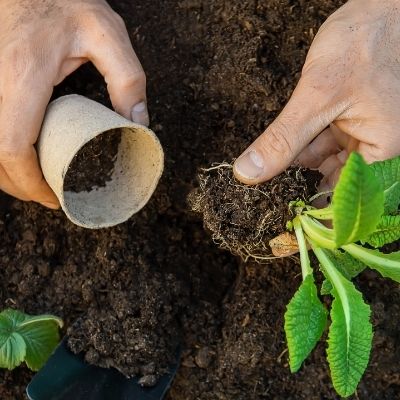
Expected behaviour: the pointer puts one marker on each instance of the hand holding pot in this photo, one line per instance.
(40, 44)
(347, 98)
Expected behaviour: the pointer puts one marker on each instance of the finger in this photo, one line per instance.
(21, 117)
(323, 146)
(307, 113)
(107, 45)
(8, 187)
(330, 168)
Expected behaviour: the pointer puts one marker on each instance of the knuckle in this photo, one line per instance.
(99, 19)
(119, 21)
(133, 80)
(276, 140)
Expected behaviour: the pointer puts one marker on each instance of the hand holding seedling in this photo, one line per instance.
(41, 43)
(347, 98)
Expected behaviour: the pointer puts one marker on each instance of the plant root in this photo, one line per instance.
(243, 219)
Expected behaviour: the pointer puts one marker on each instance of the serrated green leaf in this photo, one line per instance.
(392, 199)
(387, 172)
(388, 265)
(27, 338)
(41, 339)
(347, 265)
(12, 351)
(326, 287)
(387, 231)
(349, 339)
(350, 333)
(305, 321)
(357, 202)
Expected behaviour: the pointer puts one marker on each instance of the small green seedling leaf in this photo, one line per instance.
(357, 202)
(387, 231)
(326, 287)
(350, 333)
(27, 338)
(305, 321)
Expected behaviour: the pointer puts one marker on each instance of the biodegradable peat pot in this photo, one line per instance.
(73, 121)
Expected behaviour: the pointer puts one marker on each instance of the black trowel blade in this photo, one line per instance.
(67, 377)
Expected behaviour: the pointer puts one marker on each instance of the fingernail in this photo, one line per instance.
(53, 206)
(343, 156)
(324, 187)
(140, 114)
(250, 165)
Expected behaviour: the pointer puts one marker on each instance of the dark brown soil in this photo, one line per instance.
(243, 219)
(218, 73)
(93, 165)
(130, 324)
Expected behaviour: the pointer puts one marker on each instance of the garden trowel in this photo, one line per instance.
(66, 376)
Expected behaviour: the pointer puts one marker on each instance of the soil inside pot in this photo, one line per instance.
(218, 73)
(93, 165)
(243, 219)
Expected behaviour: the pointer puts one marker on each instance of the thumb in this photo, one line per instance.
(108, 46)
(306, 114)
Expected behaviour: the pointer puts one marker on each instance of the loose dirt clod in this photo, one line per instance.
(93, 165)
(243, 219)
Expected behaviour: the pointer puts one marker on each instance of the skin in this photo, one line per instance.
(347, 99)
(41, 43)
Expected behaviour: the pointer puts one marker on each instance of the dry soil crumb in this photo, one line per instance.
(93, 165)
(243, 219)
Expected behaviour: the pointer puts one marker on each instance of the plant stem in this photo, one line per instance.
(371, 257)
(323, 214)
(320, 234)
(301, 240)
(42, 318)
(329, 269)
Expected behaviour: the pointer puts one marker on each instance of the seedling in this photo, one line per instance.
(27, 338)
(364, 215)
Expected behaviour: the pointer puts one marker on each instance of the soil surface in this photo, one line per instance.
(243, 219)
(218, 72)
(93, 165)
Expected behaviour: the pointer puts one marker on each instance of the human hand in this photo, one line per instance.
(347, 98)
(40, 44)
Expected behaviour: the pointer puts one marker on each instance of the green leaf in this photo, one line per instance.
(387, 172)
(12, 345)
(350, 333)
(392, 199)
(27, 338)
(326, 287)
(41, 339)
(347, 265)
(388, 265)
(357, 202)
(387, 231)
(305, 321)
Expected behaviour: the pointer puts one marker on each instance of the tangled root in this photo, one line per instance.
(243, 219)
